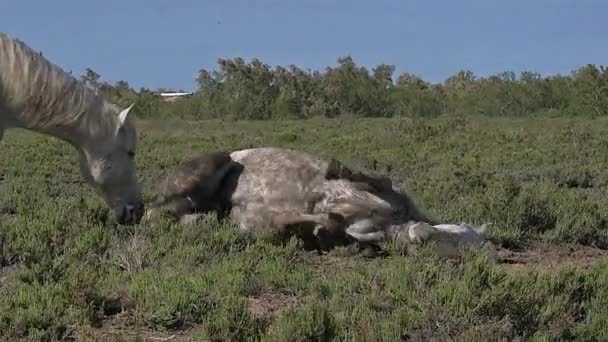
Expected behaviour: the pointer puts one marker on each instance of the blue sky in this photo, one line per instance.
(154, 43)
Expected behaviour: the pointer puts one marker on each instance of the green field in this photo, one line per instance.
(67, 271)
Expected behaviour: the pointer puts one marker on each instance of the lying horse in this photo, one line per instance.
(280, 189)
(39, 96)
(284, 180)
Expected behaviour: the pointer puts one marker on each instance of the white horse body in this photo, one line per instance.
(39, 96)
(277, 180)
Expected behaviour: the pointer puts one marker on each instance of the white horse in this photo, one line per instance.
(284, 180)
(277, 187)
(284, 192)
(271, 190)
(39, 96)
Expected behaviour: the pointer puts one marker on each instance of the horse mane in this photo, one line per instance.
(46, 97)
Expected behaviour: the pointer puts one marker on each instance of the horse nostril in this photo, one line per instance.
(134, 212)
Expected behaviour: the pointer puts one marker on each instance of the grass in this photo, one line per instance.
(67, 271)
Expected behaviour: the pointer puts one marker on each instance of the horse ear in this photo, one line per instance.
(123, 115)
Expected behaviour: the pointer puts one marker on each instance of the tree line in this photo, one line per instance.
(255, 91)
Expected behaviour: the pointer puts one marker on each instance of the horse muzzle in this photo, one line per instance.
(131, 214)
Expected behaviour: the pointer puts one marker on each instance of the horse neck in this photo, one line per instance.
(89, 130)
(39, 96)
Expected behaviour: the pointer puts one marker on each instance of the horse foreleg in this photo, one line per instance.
(183, 206)
(330, 222)
(321, 231)
(152, 208)
(365, 230)
(187, 211)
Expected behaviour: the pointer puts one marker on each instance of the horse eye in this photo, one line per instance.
(131, 154)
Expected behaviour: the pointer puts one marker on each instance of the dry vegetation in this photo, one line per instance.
(67, 271)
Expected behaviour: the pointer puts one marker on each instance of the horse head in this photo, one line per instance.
(108, 165)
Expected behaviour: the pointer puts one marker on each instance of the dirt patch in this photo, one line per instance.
(268, 305)
(122, 327)
(548, 257)
(331, 264)
(6, 272)
(539, 256)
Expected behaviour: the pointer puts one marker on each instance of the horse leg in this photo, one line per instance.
(189, 210)
(183, 207)
(328, 220)
(319, 231)
(330, 223)
(184, 210)
(365, 223)
(153, 207)
(368, 233)
(187, 213)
